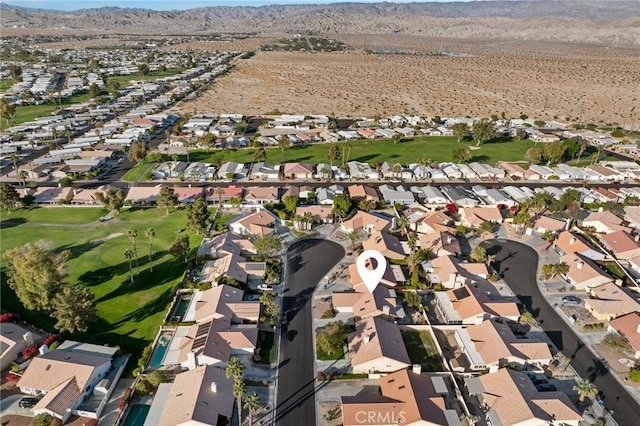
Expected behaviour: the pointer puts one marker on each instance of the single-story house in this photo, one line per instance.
(377, 347)
(628, 326)
(610, 301)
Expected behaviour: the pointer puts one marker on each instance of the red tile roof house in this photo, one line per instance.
(583, 272)
(202, 396)
(377, 347)
(512, 169)
(440, 243)
(143, 195)
(452, 273)
(361, 192)
(406, 398)
(604, 222)
(475, 216)
(473, 304)
(491, 345)
(363, 304)
(212, 195)
(260, 223)
(628, 326)
(609, 301)
(510, 398)
(568, 242)
(387, 244)
(297, 171)
(188, 195)
(624, 247)
(366, 222)
(66, 377)
(225, 325)
(258, 195)
(51, 196)
(321, 214)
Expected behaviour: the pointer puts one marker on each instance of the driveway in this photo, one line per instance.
(9, 405)
(307, 262)
(517, 263)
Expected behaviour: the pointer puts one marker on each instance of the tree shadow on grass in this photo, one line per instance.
(146, 280)
(102, 275)
(299, 159)
(159, 304)
(480, 158)
(8, 222)
(364, 158)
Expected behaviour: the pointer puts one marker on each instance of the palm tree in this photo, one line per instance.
(308, 219)
(478, 254)
(560, 268)
(235, 369)
(133, 235)
(412, 242)
(403, 224)
(150, 234)
(128, 254)
(585, 389)
(14, 158)
(397, 168)
(219, 192)
(283, 142)
(297, 219)
(253, 404)
(353, 236)
(417, 257)
(239, 388)
(547, 271)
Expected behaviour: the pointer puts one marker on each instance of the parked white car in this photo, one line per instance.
(264, 287)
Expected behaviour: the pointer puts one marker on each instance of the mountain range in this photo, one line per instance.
(588, 21)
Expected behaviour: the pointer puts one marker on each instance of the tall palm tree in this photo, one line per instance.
(133, 235)
(417, 257)
(585, 389)
(412, 242)
(235, 369)
(397, 168)
(253, 404)
(128, 254)
(560, 268)
(239, 389)
(308, 219)
(150, 234)
(403, 224)
(219, 192)
(353, 236)
(547, 271)
(298, 219)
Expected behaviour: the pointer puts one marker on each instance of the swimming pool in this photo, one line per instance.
(180, 310)
(137, 415)
(160, 351)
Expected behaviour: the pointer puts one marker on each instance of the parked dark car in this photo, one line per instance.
(545, 387)
(571, 300)
(27, 402)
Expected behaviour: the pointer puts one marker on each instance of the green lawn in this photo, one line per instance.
(323, 356)
(124, 80)
(422, 350)
(128, 314)
(5, 84)
(30, 112)
(137, 172)
(438, 148)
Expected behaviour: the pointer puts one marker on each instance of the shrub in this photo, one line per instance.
(156, 377)
(43, 419)
(328, 314)
(634, 376)
(142, 387)
(55, 345)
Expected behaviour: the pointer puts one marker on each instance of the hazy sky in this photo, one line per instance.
(173, 4)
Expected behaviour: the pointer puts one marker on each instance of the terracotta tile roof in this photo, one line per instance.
(361, 191)
(61, 398)
(143, 193)
(514, 398)
(387, 244)
(188, 195)
(388, 278)
(584, 272)
(218, 302)
(297, 168)
(475, 216)
(192, 398)
(471, 300)
(621, 244)
(440, 243)
(259, 223)
(569, 242)
(365, 220)
(320, 213)
(382, 301)
(227, 193)
(385, 341)
(495, 342)
(546, 222)
(405, 395)
(628, 326)
(269, 193)
(444, 266)
(606, 218)
(612, 300)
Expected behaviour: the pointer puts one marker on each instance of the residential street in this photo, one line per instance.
(517, 264)
(306, 264)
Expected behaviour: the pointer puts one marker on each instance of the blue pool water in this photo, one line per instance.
(160, 351)
(137, 415)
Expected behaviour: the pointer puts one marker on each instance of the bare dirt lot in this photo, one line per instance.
(594, 83)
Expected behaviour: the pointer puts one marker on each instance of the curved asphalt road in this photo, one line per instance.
(517, 263)
(307, 263)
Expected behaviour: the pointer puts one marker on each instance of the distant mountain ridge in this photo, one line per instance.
(615, 18)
